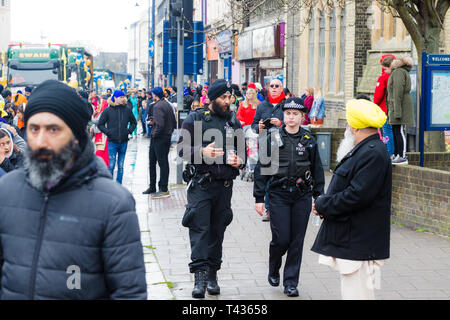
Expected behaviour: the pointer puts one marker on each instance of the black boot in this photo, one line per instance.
(200, 285)
(213, 287)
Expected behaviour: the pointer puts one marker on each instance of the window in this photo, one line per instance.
(332, 62)
(311, 52)
(342, 62)
(322, 49)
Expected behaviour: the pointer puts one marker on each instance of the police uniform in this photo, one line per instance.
(208, 211)
(297, 176)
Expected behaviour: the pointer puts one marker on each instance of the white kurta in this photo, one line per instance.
(358, 278)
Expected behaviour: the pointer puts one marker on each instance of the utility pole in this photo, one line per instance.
(180, 80)
(153, 38)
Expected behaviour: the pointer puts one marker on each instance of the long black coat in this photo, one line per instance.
(87, 221)
(357, 205)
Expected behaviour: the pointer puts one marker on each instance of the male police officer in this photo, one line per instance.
(213, 143)
(294, 172)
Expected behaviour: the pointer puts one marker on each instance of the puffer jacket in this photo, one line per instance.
(87, 223)
(400, 104)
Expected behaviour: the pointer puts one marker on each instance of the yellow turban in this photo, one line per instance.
(2, 112)
(21, 99)
(362, 114)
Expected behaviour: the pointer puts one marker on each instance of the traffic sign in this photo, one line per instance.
(151, 48)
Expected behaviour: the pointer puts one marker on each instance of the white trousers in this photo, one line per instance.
(358, 278)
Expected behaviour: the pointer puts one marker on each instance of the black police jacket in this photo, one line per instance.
(226, 132)
(297, 154)
(357, 205)
(114, 123)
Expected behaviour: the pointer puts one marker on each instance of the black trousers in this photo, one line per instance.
(289, 216)
(399, 140)
(207, 215)
(159, 152)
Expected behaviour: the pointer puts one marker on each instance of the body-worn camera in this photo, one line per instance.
(189, 173)
(305, 184)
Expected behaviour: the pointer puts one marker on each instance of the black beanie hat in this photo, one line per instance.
(63, 101)
(218, 88)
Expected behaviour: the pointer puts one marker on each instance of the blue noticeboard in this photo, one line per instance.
(193, 51)
(435, 96)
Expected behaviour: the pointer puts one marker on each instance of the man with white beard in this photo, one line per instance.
(354, 236)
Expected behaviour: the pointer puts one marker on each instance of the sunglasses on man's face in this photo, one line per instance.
(274, 85)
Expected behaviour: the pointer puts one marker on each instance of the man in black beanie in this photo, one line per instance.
(67, 230)
(212, 142)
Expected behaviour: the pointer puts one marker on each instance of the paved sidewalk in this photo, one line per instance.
(419, 267)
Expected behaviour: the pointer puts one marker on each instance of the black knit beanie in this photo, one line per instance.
(63, 101)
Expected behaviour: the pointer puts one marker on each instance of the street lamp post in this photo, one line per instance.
(151, 36)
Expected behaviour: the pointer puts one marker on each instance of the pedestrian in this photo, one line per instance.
(7, 96)
(234, 103)
(100, 139)
(259, 90)
(13, 147)
(163, 124)
(295, 178)
(134, 110)
(143, 111)
(114, 123)
(204, 96)
(237, 93)
(244, 87)
(379, 98)
(308, 102)
(74, 233)
(195, 106)
(213, 164)
(287, 93)
(28, 91)
(400, 106)
(19, 122)
(317, 113)
(354, 236)
(247, 109)
(269, 115)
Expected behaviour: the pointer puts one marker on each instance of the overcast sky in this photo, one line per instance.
(99, 22)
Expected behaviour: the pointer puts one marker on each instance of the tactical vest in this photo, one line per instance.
(294, 155)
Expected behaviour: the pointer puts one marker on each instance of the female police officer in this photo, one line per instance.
(290, 163)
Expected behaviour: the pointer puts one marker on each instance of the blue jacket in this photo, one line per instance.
(87, 222)
(318, 109)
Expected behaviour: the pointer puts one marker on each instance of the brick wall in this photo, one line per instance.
(421, 198)
(432, 160)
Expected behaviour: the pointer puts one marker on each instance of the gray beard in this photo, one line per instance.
(44, 174)
(347, 144)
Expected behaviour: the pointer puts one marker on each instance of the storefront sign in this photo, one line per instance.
(223, 40)
(271, 64)
(245, 47)
(212, 50)
(264, 43)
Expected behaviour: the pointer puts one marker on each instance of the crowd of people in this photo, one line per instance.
(49, 135)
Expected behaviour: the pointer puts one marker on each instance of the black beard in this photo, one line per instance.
(43, 172)
(219, 111)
